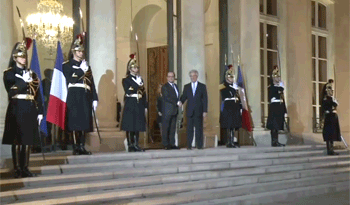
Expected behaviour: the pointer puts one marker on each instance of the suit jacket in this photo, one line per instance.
(169, 100)
(196, 104)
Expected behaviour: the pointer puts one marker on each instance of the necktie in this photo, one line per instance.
(194, 88)
(173, 85)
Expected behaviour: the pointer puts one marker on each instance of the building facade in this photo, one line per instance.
(309, 39)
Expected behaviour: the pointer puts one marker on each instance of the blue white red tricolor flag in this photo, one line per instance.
(246, 118)
(35, 66)
(56, 112)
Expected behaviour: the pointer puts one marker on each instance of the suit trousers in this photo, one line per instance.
(196, 122)
(168, 130)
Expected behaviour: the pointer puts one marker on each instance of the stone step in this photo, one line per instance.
(156, 154)
(133, 172)
(163, 179)
(274, 197)
(245, 192)
(184, 192)
(77, 188)
(121, 165)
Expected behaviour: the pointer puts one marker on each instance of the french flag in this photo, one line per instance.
(246, 118)
(56, 111)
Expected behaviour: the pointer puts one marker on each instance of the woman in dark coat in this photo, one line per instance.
(24, 111)
(277, 108)
(231, 111)
(81, 97)
(135, 105)
(331, 128)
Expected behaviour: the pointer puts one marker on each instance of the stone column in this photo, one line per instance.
(6, 44)
(193, 31)
(250, 56)
(299, 60)
(103, 58)
(193, 48)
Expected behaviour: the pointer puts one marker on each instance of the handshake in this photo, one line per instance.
(179, 103)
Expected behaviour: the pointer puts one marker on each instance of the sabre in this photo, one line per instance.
(22, 24)
(41, 143)
(98, 130)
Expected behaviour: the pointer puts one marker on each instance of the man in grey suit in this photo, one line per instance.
(197, 107)
(170, 99)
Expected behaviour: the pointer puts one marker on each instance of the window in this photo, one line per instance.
(268, 7)
(319, 15)
(268, 50)
(268, 59)
(319, 57)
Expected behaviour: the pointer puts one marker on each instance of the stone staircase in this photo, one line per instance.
(247, 175)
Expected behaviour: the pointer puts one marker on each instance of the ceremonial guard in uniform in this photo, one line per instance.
(135, 105)
(331, 129)
(231, 108)
(277, 107)
(81, 97)
(24, 111)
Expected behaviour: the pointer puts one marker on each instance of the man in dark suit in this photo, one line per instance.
(197, 107)
(170, 99)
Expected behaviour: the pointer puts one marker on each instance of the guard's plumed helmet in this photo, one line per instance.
(276, 72)
(229, 73)
(78, 44)
(329, 89)
(132, 62)
(20, 50)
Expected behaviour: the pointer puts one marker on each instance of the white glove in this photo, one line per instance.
(40, 117)
(285, 115)
(138, 80)
(281, 84)
(241, 111)
(334, 100)
(159, 113)
(84, 66)
(94, 104)
(26, 76)
(235, 86)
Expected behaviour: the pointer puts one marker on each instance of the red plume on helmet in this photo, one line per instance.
(81, 37)
(132, 56)
(28, 43)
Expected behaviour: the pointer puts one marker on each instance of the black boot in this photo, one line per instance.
(83, 151)
(274, 139)
(229, 143)
(76, 149)
(136, 143)
(330, 148)
(131, 141)
(16, 150)
(25, 170)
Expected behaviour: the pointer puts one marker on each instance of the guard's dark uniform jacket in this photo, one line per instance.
(277, 108)
(81, 94)
(134, 119)
(230, 116)
(331, 128)
(25, 103)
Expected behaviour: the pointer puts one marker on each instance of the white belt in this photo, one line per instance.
(23, 97)
(78, 85)
(131, 96)
(234, 98)
(333, 111)
(276, 100)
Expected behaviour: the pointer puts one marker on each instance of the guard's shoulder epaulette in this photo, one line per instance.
(10, 68)
(222, 86)
(65, 62)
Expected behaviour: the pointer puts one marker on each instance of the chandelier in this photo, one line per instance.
(48, 25)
